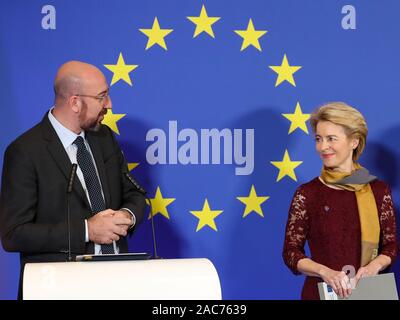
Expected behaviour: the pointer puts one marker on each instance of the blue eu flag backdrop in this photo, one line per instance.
(211, 102)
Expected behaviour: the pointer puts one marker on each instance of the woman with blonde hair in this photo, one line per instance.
(346, 214)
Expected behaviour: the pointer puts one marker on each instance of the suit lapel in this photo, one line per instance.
(60, 156)
(98, 158)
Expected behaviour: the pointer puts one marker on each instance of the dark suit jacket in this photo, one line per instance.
(33, 211)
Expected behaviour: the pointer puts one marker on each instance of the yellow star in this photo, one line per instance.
(286, 167)
(253, 202)
(132, 165)
(121, 70)
(206, 216)
(156, 35)
(285, 72)
(111, 119)
(159, 204)
(203, 23)
(298, 119)
(250, 36)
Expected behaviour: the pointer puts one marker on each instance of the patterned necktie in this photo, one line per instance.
(93, 186)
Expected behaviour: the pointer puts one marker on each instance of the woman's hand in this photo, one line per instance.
(374, 267)
(369, 270)
(338, 280)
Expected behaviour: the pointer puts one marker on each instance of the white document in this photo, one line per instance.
(379, 287)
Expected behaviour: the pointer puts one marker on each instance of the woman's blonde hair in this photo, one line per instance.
(346, 116)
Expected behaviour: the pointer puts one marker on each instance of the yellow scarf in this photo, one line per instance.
(367, 209)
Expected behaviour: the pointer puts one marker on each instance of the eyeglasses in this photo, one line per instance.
(101, 97)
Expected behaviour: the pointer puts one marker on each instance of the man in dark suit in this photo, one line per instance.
(104, 204)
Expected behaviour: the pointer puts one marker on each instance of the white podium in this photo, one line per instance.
(169, 279)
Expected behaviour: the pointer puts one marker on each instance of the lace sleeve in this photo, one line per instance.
(388, 226)
(296, 231)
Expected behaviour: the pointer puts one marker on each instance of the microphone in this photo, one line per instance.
(69, 190)
(137, 186)
(143, 192)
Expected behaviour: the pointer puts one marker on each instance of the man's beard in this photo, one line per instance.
(93, 127)
(91, 124)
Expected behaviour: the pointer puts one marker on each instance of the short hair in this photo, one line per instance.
(346, 116)
(66, 86)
